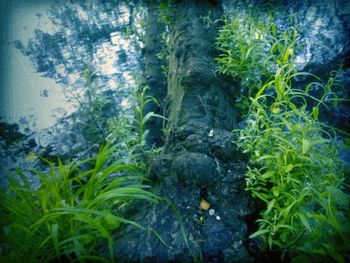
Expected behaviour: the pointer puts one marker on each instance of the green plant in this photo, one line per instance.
(130, 130)
(295, 171)
(92, 106)
(135, 32)
(163, 54)
(293, 167)
(166, 11)
(142, 117)
(72, 211)
(251, 50)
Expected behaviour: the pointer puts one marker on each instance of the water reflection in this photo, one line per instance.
(23, 91)
(87, 33)
(64, 39)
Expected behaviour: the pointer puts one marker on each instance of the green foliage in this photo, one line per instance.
(77, 206)
(166, 11)
(164, 55)
(129, 131)
(142, 117)
(72, 211)
(251, 50)
(92, 106)
(135, 32)
(295, 171)
(293, 167)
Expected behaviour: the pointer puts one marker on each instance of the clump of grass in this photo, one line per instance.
(72, 211)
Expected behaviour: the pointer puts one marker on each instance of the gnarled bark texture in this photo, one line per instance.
(199, 159)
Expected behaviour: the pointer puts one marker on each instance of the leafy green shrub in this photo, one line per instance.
(293, 167)
(71, 212)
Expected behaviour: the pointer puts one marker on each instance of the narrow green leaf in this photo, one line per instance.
(306, 145)
(289, 53)
(268, 174)
(270, 206)
(287, 210)
(270, 241)
(54, 235)
(275, 191)
(304, 221)
(289, 168)
(259, 233)
(315, 112)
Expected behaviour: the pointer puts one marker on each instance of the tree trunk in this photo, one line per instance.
(199, 163)
(153, 76)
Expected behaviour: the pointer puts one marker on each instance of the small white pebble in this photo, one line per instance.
(218, 218)
(211, 133)
(211, 212)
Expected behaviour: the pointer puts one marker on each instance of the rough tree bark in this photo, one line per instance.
(153, 77)
(199, 159)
